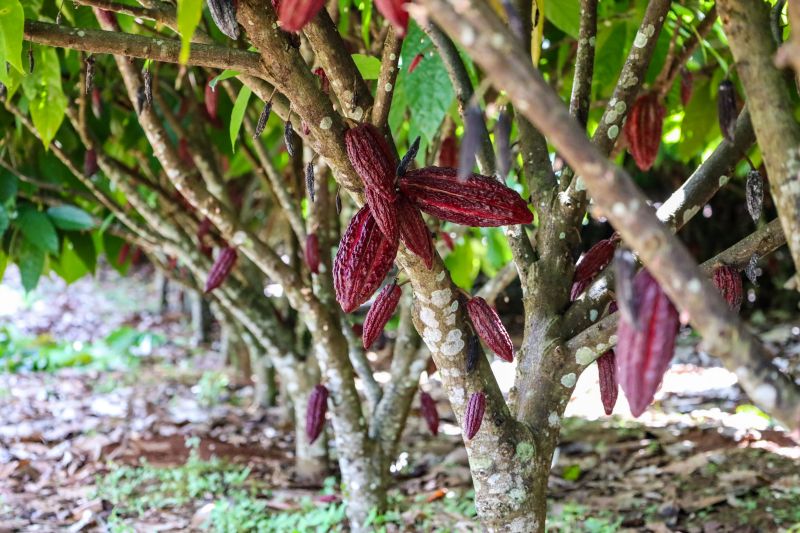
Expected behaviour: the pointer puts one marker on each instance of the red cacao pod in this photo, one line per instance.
(211, 99)
(395, 12)
(729, 282)
(473, 353)
(315, 412)
(385, 212)
(324, 83)
(473, 416)
(643, 129)
(312, 253)
(478, 201)
(490, 328)
(414, 232)
(221, 269)
(380, 312)
(364, 258)
(97, 103)
(429, 412)
(294, 14)
(643, 354)
(591, 263)
(372, 159)
(606, 370)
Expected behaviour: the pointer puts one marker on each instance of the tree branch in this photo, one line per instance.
(387, 78)
(126, 44)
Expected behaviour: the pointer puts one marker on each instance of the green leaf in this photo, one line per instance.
(3, 264)
(463, 265)
(12, 22)
(69, 217)
(4, 220)
(237, 115)
(8, 185)
(189, 14)
(565, 15)
(699, 122)
(426, 93)
(368, 66)
(43, 89)
(30, 260)
(38, 230)
(69, 267)
(365, 6)
(83, 245)
(226, 74)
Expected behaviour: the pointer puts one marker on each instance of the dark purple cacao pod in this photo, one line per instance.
(473, 416)
(490, 328)
(429, 412)
(315, 412)
(380, 312)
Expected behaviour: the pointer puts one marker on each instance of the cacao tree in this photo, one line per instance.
(246, 144)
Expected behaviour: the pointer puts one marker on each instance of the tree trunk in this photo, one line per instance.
(201, 319)
(265, 389)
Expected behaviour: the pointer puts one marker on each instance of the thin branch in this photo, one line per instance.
(126, 44)
(387, 78)
(677, 59)
(584, 63)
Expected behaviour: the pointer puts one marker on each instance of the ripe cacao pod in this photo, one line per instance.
(294, 14)
(429, 412)
(380, 312)
(372, 159)
(643, 354)
(315, 412)
(90, 166)
(726, 109)
(473, 416)
(224, 14)
(643, 129)
(729, 282)
(364, 258)
(479, 201)
(122, 256)
(211, 99)
(606, 370)
(408, 158)
(312, 253)
(221, 268)
(589, 266)
(490, 328)
(414, 232)
(754, 194)
(395, 12)
(385, 212)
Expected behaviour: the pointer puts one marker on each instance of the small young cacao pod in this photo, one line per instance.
(89, 61)
(474, 127)
(643, 354)
(221, 268)
(380, 312)
(315, 412)
(289, 137)
(473, 353)
(147, 84)
(751, 271)
(372, 159)
(473, 415)
(726, 109)
(211, 99)
(262, 120)
(338, 202)
(502, 141)
(395, 12)
(97, 103)
(429, 413)
(479, 201)
(448, 152)
(408, 158)
(312, 253)
(729, 282)
(687, 86)
(490, 328)
(122, 256)
(364, 258)
(294, 14)
(606, 370)
(414, 232)
(310, 180)
(224, 14)
(415, 62)
(324, 83)
(754, 194)
(90, 166)
(591, 263)
(643, 129)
